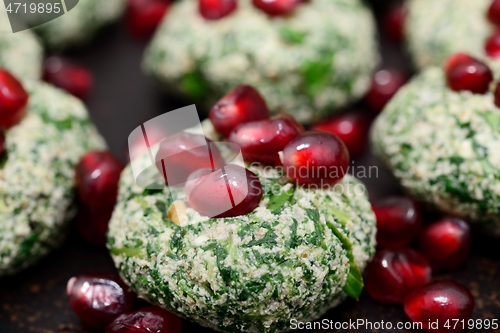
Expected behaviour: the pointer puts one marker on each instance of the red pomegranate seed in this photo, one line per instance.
(260, 141)
(351, 127)
(146, 320)
(398, 221)
(97, 175)
(467, 73)
(68, 75)
(277, 7)
(243, 104)
(2, 141)
(13, 100)
(446, 243)
(492, 46)
(393, 22)
(98, 299)
(216, 9)
(443, 301)
(183, 153)
(144, 16)
(226, 192)
(92, 224)
(385, 84)
(316, 158)
(394, 274)
(494, 12)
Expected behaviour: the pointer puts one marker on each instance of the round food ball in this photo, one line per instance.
(21, 54)
(36, 175)
(310, 63)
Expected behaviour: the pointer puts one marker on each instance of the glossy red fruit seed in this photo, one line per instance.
(385, 84)
(96, 177)
(465, 73)
(492, 46)
(216, 9)
(243, 104)
(260, 141)
(494, 12)
(277, 7)
(398, 221)
(2, 141)
(226, 192)
(68, 75)
(393, 22)
(442, 301)
(183, 153)
(316, 159)
(446, 243)
(92, 224)
(13, 100)
(144, 16)
(352, 128)
(147, 320)
(394, 274)
(98, 299)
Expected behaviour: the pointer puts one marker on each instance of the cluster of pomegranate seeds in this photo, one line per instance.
(398, 221)
(260, 141)
(316, 158)
(443, 301)
(492, 46)
(243, 104)
(393, 22)
(277, 7)
(13, 100)
(143, 16)
(446, 243)
(494, 12)
(216, 9)
(146, 320)
(98, 299)
(385, 84)
(352, 128)
(68, 75)
(465, 73)
(394, 274)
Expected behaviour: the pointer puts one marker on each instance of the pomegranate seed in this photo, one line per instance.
(216, 9)
(467, 73)
(492, 45)
(92, 224)
(260, 141)
(98, 299)
(494, 12)
(398, 221)
(183, 153)
(2, 141)
(144, 16)
(97, 175)
(277, 7)
(442, 301)
(446, 243)
(68, 75)
(243, 104)
(385, 84)
(146, 320)
(352, 128)
(394, 274)
(226, 192)
(393, 22)
(13, 100)
(316, 158)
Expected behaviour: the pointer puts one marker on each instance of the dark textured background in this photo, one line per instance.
(123, 98)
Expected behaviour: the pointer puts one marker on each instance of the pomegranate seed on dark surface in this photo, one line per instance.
(243, 104)
(147, 320)
(216, 9)
(464, 73)
(96, 177)
(492, 46)
(446, 243)
(494, 12)
(277, 7)
(260, 141)
(316, 158)
(13, 100)
(68, 75)
(352, 128)
(398, 221)
(182, 153)
(226, 192)
(92, 223)
(144, 16)
(385, 84)
(98, 299)
(444, 301)
(393, 22)
(392, 275)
